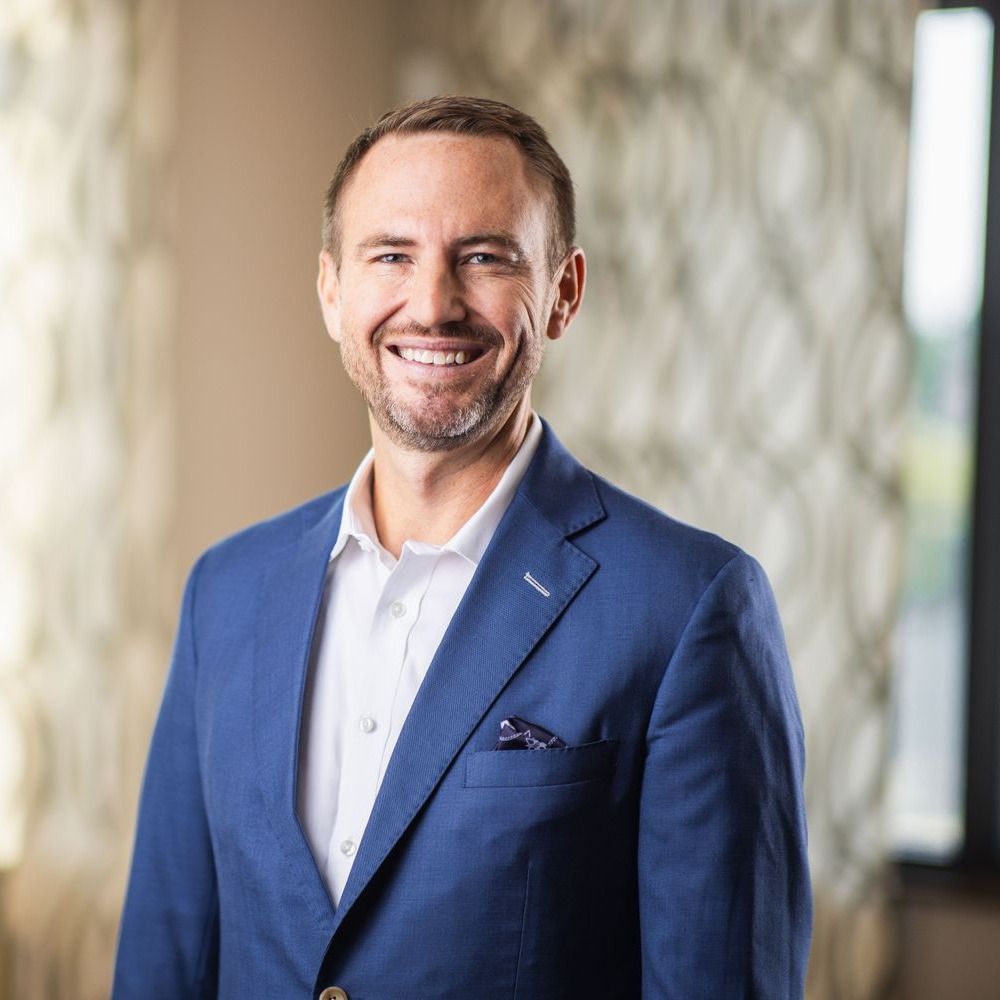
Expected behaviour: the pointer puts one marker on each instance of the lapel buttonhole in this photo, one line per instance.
(534, 583)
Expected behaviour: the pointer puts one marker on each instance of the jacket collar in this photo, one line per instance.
(559, 488)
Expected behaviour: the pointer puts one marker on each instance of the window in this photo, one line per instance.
(944, 801)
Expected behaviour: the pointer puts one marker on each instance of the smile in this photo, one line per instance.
(438, 358)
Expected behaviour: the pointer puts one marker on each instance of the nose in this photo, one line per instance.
(435, 295)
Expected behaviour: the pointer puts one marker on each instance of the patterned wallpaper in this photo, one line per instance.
(86, 492)
(741, 359)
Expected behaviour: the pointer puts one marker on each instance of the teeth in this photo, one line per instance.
(434, 357)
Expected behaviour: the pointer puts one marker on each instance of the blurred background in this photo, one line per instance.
(788, 338)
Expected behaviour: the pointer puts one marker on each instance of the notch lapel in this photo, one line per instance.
(287, 610)
(500, 620)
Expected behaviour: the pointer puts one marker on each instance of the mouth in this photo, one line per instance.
(441, 358)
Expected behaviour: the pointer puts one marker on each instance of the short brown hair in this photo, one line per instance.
(476, 116)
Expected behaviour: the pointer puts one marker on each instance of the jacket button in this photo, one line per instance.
(334, 993)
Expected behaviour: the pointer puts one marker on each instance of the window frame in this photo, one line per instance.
(982, 784)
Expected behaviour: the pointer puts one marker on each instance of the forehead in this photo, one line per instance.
(442, 180)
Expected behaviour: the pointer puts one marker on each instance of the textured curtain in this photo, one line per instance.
(86, 497)
(741, 359)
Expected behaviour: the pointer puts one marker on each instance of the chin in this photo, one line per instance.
(437, 432)
(427, 439)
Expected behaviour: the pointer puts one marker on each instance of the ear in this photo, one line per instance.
(568, 293)
(328, 289)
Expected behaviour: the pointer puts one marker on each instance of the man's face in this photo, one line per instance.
(444, 290)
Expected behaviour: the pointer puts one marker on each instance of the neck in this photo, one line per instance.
(428, 496)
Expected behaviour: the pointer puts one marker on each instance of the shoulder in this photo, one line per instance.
(670, 574)
(649, 544)
(698, 595)
(644, 554)
(242, 557)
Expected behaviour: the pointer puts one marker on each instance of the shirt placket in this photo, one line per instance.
(371, 734)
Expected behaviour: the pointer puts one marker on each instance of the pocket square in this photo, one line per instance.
(518, 734)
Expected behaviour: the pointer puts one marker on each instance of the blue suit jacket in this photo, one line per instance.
(661, 854)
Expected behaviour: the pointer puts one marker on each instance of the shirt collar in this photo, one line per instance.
(470, 541)
(358, 520)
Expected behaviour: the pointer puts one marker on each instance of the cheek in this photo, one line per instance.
(514, 315)
(365, 311)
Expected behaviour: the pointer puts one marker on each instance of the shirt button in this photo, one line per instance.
(347, 848)
(398, 609)
(367, 724)
(333, 993)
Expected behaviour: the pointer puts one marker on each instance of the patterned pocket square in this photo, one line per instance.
(518, 734)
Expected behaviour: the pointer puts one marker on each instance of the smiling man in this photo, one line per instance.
(478, 724)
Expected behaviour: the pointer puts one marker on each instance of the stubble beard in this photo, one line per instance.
(431, 424)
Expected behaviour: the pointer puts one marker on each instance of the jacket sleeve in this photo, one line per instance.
(168, 939)
(724, 895)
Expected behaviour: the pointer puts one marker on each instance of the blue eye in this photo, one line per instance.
(391, 258)
(483, 258)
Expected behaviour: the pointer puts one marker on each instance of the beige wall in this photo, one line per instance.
(270, 94)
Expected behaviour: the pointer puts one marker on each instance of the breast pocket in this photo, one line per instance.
(554, 766)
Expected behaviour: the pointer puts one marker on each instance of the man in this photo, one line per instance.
(480, 724)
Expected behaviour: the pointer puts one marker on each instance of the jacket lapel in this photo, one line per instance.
(500, 620)
(286, 613)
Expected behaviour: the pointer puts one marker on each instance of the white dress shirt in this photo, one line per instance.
(380, 624)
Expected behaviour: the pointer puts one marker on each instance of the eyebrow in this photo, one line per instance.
(384, 240)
